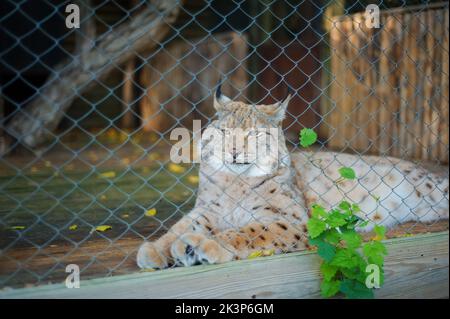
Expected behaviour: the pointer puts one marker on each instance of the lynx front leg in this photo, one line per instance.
(157, 254)
(195, 248)
(192, 249)
(280, 236)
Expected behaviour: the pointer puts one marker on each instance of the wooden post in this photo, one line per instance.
(127, 120)
(334, 8)
(444, 104)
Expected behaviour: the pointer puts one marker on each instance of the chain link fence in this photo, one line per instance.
(87, 113)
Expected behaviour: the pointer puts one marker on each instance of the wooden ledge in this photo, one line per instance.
(416, 267)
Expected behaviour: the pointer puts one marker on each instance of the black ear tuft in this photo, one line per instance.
(218, 90)
(289, 91)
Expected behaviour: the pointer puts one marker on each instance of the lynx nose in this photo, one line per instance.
(235, 154)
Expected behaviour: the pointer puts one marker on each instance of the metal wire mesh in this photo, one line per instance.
(87, 112)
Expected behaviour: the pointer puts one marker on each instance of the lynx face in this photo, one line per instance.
(246, 139)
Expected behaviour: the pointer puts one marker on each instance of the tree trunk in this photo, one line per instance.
(143, 33)
(127, 120)
(85, 37)
(2, 137)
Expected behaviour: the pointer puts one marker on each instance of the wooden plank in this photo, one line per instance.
(335, 117)
(444, 106)
(422, 125)
(397, 74)
(416, 267)
(435, 23)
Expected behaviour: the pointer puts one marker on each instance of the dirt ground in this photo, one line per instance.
(51, 204)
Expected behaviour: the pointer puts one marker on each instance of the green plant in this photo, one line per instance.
(345, 256)
(349, 266)
(307, 137)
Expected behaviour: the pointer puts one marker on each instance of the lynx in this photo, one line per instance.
(249, 203)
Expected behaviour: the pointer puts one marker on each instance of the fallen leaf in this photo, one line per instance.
(268, 252)
(18, 227)
(405, 235)
(147, 270)
(109, 174)
(175, 168)
(47, 164)
(153, 156)
(193, 179)
(103, 197)
(255, 254)
(73, 227)
(151, 212)
(125, 215)
(122, 137)
(103, 228)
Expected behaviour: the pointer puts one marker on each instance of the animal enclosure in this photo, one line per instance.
(87, 114)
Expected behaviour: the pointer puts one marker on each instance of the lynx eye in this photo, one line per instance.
(255, 133)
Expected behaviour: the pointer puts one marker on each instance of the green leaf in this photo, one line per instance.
(344, 205)
(352, 221)
(315, 227)
(328, 271)
(332, 236)
(363, 223)
(324, 249)
(380, 231)
(355, 290)
(352, 239)
(307, 137)
(350, 273)
(354, 273)
(355, 208)
(318, 211)
(381, 276)
(347, 173)
(375, 251)
(329, 288)
(336, 219)
(345, 258)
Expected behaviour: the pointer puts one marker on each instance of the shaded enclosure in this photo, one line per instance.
(95, 150)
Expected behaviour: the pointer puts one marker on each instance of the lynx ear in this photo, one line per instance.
(276, 111)
(220, 100)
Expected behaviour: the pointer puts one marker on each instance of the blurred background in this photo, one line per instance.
(86, 112)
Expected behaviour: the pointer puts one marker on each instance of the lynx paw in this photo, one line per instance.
(194, 249)
(150, 256)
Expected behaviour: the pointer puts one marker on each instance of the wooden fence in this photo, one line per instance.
(389, 88)
(416, 267)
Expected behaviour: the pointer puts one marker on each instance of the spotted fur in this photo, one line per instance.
(261, 204)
